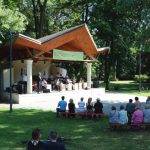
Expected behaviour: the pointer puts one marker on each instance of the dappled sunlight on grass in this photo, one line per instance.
(3, 126)
(81, 130)
(81, 134)
(129, 87)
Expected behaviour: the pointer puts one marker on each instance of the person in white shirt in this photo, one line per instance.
(44, 84)
(81, 105)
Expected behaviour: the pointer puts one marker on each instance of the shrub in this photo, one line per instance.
(144, 78)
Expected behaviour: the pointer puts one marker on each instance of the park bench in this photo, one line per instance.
(81, 114)
(117, 126)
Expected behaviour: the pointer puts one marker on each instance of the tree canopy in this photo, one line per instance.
(124, 25)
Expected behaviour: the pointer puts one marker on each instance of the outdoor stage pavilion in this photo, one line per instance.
(38, 55)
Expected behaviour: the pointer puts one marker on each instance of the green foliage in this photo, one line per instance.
(121, 24)
(96, 70)
(144, 78)
(11, 20)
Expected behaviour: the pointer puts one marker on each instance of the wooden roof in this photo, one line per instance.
(74, 39)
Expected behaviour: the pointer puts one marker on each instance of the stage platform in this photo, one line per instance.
(18, 98)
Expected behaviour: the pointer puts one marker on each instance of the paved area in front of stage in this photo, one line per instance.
(49, 101)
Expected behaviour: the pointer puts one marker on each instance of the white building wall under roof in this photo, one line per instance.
(46, 68)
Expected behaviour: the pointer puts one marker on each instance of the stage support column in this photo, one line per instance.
(89, 65)
(29, 76)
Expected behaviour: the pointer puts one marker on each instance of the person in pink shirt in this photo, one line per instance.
(138, 116)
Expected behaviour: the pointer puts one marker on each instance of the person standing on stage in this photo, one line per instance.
(39, 81)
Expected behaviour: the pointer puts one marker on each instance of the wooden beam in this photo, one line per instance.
(93, 58)
(29, 52)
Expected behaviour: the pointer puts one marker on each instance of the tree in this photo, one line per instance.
(39, 7)
(11, 20)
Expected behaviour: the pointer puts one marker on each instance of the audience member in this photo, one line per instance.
(148, 100)
(71, 107)
(54, 144)
(62, 104)
(130, 108)
(89, 105)
(137, 117)
(98, 106)
(113, 115)
(137, 102)
(123, 118)
(146, 114)
(81, 105)
(35, 143)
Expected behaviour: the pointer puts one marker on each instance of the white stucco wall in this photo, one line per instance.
(42, 67)
(6, 78)
(55, 69)
(37, 67)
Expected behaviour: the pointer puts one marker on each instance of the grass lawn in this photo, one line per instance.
(129, 87)
(85, 134)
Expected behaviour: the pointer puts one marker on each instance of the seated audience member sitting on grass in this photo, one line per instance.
(137, 117)
(130, 108)
(54, 143)
(81, 105)
(71, 107)
(35, 143)
(123, 118)
(146, 114)
(113, 115)
(62, 104)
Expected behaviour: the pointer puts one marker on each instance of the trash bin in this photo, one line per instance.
(96, 84)
(20, 88)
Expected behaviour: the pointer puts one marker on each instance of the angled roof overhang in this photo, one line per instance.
(74, 39)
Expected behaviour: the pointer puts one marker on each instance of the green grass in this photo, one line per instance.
(129, 87)
(85, 134)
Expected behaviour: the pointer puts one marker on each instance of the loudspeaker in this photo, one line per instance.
(46, 91)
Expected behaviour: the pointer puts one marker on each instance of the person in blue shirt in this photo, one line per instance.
(113, 115)
(123, 118)
(62, 104)
(146, 112)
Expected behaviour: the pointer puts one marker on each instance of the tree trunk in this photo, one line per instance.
(39, 8)
(35, 18)
(114, 70)
(42, 15)
(106, 72)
